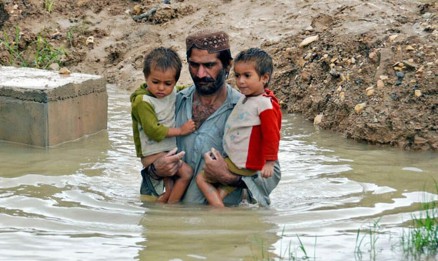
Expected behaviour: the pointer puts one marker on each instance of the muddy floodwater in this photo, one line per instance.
(80, 201)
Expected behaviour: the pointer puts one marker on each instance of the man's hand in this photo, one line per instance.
(168, 165)
(216, 168)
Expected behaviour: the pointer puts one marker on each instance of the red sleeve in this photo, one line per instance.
(270, 128)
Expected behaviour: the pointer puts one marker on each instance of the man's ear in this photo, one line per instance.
(228, 69)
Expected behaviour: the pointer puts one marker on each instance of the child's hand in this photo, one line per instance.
(188, 127)
(268, 169)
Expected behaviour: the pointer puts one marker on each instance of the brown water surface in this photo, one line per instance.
(80, 201)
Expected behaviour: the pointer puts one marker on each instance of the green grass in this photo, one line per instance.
(10, 44)
(372, 234)
(49, 5)
(46, 54)
(39, 53)
(421, 239)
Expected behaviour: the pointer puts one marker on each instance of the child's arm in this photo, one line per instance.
(187, 128)
(268, 169)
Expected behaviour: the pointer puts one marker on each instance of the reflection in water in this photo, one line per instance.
(178, 232)
(80, 201)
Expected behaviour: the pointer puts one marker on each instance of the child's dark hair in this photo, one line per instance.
(162, 58)
(262, 61)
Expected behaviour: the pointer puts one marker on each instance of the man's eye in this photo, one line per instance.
(209, 65)
(194, 65)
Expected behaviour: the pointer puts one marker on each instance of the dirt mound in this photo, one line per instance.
(377, 87)
(366, 69)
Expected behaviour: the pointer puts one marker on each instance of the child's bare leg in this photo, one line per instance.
(209, 191)
(222, 193)
(164, 198)
(185, 174)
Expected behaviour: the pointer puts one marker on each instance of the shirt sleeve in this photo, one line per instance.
(270, 133)
(144, 113)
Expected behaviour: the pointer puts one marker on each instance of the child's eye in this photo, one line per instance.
(168, 83)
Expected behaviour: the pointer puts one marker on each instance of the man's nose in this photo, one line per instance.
(202, 71)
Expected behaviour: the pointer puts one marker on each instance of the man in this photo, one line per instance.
(208, 102)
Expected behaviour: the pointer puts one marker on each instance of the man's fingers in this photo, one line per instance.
(173, 151)
(179, 155)
(216, 153)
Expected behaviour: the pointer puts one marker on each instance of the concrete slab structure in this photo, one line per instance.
(44, 108)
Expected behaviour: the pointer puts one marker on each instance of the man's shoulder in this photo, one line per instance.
(234, 94)
(186, 91)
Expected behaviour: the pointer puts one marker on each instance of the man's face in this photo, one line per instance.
(207, 71)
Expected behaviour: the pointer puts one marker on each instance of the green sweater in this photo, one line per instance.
(151, 120)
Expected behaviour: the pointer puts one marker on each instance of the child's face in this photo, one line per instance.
(160, 83)
(247, 79)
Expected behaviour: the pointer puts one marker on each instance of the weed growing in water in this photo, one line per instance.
(373, 235)
(422, 238)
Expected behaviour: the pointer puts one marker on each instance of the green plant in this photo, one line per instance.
(15, 55)
(38, 53)
(422, 237)
(373, 236)
(49, 5)
(70, 37)
(46, 54)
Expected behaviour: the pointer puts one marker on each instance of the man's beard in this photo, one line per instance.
(208, 85)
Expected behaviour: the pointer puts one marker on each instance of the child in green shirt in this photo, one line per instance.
(153, 118)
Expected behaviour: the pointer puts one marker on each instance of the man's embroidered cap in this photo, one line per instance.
(212, 41)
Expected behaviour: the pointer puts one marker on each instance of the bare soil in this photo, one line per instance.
(365, 69)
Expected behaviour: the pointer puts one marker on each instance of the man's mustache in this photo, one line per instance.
(203, 80)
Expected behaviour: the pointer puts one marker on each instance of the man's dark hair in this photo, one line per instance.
(163, 59)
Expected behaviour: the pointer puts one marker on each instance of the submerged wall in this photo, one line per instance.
(45, 108)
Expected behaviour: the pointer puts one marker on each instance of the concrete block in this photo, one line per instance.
(45, 108)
